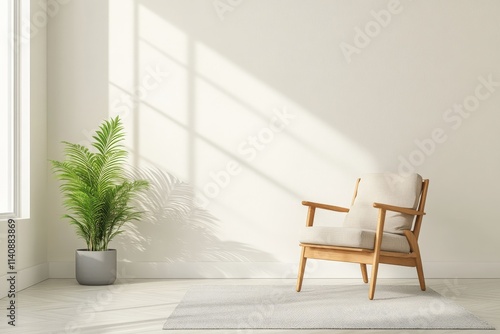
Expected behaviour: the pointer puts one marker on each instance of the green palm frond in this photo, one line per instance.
(96, 192)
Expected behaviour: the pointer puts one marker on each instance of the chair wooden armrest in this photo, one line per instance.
(325, 206)
(400, 209)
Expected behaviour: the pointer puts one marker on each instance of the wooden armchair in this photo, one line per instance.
(382, 226)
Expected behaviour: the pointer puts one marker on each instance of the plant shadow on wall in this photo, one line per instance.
(177, 228)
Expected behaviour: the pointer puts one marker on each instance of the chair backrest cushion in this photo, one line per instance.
(386, 188)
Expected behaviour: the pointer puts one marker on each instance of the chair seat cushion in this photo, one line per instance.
(352, 237)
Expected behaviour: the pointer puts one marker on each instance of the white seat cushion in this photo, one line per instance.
(352, 237)
(389, 189)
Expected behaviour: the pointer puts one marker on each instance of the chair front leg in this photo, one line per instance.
(376, 253)
(302, 268)
(373, 280)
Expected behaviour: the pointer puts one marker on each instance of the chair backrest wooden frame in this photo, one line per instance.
(369, 256)
(421, 207)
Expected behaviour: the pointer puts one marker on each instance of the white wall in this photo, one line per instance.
(32, 265)
(195, 85)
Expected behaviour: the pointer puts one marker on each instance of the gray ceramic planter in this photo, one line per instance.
(95, 267)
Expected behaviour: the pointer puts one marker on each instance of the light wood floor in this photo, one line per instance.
(141, 305)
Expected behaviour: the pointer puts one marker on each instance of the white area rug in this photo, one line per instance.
(318, 307)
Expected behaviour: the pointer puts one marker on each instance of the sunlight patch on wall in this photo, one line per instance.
(283, 151)
(121, 46)
(147, 85)
(251, 152)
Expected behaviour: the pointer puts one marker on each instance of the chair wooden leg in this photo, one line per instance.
(420, 273)
(363, 272)
(376, 252)
(302, 268)
(373, 281)
(418, 260)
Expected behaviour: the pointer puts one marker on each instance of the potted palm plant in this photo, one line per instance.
(97, 194)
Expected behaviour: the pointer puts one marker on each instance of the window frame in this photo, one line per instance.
(19, 41)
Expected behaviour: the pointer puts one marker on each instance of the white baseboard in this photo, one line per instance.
(25, 278)
(315, 269)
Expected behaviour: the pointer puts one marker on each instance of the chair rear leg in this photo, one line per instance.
(412, 240)
(302, 268)
(364, 272)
